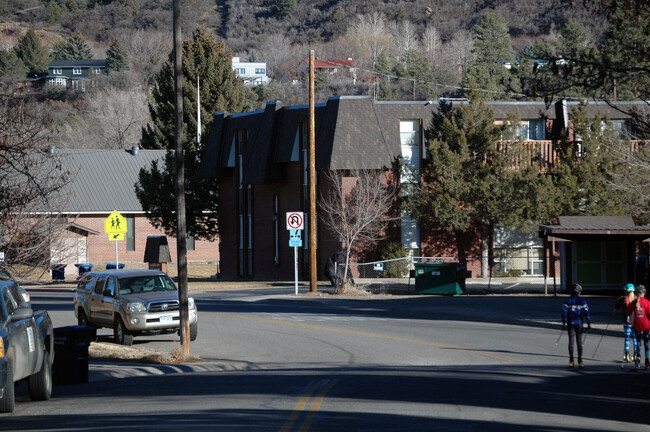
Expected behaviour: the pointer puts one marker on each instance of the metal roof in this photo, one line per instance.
(103, 180)
(595, 228)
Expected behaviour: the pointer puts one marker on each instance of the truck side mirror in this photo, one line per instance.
(22, 313)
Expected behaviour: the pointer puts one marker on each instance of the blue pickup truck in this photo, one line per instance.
(26, 346)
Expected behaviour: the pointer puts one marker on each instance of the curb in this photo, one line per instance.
(103, 371)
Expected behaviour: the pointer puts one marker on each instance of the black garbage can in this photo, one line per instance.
(58, 272)
(84, 268)
(71, 354)
(111, 266)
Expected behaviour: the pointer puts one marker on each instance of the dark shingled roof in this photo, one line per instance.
(589, 222)
(351, 132)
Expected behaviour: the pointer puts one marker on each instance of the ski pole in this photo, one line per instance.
(558, 339)
(603, 335)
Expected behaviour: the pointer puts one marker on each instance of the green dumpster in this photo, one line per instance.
(440, 278)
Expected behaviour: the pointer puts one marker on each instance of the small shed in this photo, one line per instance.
(601, 253)
(156, 253)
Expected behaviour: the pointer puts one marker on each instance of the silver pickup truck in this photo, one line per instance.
(131, 302)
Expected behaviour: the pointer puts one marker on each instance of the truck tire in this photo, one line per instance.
(194, 331)
(122, 337)
(8, 400)
(40, 384)
(82, 318)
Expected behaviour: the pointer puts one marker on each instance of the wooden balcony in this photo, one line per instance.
(543, 154)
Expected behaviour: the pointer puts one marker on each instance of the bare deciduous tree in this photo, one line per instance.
(458, 51)
(405, 38)
(371, 34)
(112, 119)
(30, 179)
(275, 50)
(431, 44)
(147, 52)
(356, 207)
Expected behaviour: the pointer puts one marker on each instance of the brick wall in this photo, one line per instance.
(102, 250)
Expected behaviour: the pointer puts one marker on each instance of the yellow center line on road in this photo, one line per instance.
(300, 405)
(315, 407)
(375, 335)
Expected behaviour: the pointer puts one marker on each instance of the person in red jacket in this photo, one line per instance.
(640, 308)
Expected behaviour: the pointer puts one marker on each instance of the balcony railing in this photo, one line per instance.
(543, 154)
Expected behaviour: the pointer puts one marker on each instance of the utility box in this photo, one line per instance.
(440, 278)
(156, 253)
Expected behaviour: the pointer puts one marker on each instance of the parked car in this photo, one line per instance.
(6, 276)
(26, 347)
(132, 303)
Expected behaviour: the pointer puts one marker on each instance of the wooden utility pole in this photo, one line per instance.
(181, 231)
(313, 284)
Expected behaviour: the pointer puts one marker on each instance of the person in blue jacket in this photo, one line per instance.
(575, 312)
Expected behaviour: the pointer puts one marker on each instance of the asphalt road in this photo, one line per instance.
(386, 364)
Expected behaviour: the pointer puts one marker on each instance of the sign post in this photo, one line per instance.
(295, 224)
(115, 226)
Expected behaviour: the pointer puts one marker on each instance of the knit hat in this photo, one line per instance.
(628, 288)
(640, 289)
(577, 288)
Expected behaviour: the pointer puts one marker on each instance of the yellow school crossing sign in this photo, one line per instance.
(115, 226)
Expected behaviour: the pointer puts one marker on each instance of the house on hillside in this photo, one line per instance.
(253, 73)
(103, 181)
(343, 68)
(261, 161)
(75, 74)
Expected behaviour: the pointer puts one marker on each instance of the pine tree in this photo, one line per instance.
(32, 52)
(116, 57)
(74, 48)
(467, 184)
(490, 71)
(12, 68)
(221, 90)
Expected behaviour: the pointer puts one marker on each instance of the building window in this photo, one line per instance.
(98, 71)
(411, 146)
(58, 82)
(57, 71)
(260, 71)
(240, 71)
(130, 232)
(517, 253)
(76, 71)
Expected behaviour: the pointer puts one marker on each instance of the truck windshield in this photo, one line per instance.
(145, 284)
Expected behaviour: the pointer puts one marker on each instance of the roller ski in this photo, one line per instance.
(637, 361)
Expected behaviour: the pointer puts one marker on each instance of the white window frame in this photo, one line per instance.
(76, 71)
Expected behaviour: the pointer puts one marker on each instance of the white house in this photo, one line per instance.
(251, 73)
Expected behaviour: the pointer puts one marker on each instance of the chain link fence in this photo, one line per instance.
(399, 273)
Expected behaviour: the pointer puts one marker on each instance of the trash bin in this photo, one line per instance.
(84, 268)
(111, 266)
(439, 278)
(71, 354)
(58, 272)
